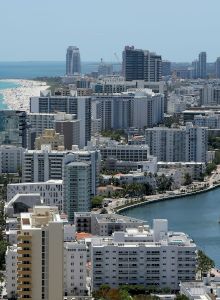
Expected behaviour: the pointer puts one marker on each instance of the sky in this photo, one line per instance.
(43, 29)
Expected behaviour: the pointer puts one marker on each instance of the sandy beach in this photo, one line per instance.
(18, 98)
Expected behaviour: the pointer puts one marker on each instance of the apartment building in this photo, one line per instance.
(75, 269)
(143, 257)
(104, 224)
(40, 255)
(11, 271)
(124, 152)
(10, 159)
(185, 143)
(78, 106)
(77, 188)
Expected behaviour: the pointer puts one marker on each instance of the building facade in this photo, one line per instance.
(141, 65)
(77, 188)
(51, 191)
(143, 257)
(40, 255)
(73, 63)
(186, 143)
(10, 159)
(78, 106)
(13, 128)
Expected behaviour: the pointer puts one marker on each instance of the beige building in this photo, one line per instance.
(40, 255)
(50, 136)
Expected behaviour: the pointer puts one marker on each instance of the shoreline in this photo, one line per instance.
(171, 197)
(17, 98)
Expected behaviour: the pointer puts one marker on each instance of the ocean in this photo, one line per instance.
(30, 70)
(5, 85)
(33, 69)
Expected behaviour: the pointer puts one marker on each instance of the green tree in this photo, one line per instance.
(204, 263)
(163, 183)
(3, 248)
(97, 201)
(188, 179)
(210, 167)
(181, 297)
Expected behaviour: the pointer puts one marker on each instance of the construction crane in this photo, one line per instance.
(117, 58)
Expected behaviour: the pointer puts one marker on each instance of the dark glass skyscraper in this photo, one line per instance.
(141, 65)
(202, 65)
(73, 63)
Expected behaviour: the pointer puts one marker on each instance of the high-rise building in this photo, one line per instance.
(141, 65)
(78, 106)
(45, 164)
(166, 68)
(77, 188)
(13, 128)
(40, 255)
(217, 68)
(152, 67)
(69, 128)
(199, 67)
(73, 63)
(202, 65)
(209, 95)
(114, 111)
(133, 63)
(148, 109)
(138, 108)
(10, 159)
(186, 143)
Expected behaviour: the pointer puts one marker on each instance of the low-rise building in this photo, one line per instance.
(104, 224)
(124, 152)
(51, 191)
(50, 137)
(194, 169)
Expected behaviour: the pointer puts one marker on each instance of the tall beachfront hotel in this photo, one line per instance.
(73, 63)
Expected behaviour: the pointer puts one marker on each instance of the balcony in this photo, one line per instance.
(23, 293)
(21, 265)
(22, 279)
(22, 251)
(24, 237)
(24, 286)
(22, 272)
(21, 258)
(24, 245)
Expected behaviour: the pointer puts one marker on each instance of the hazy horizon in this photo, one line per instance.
(40, 30)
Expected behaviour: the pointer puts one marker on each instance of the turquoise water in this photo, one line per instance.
(196, 215)
(5, 85)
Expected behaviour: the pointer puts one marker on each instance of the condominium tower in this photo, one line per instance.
(73, 63)
(78, 106)
(40, 255)
(186, 143)
(141, 64)
(77, 186)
